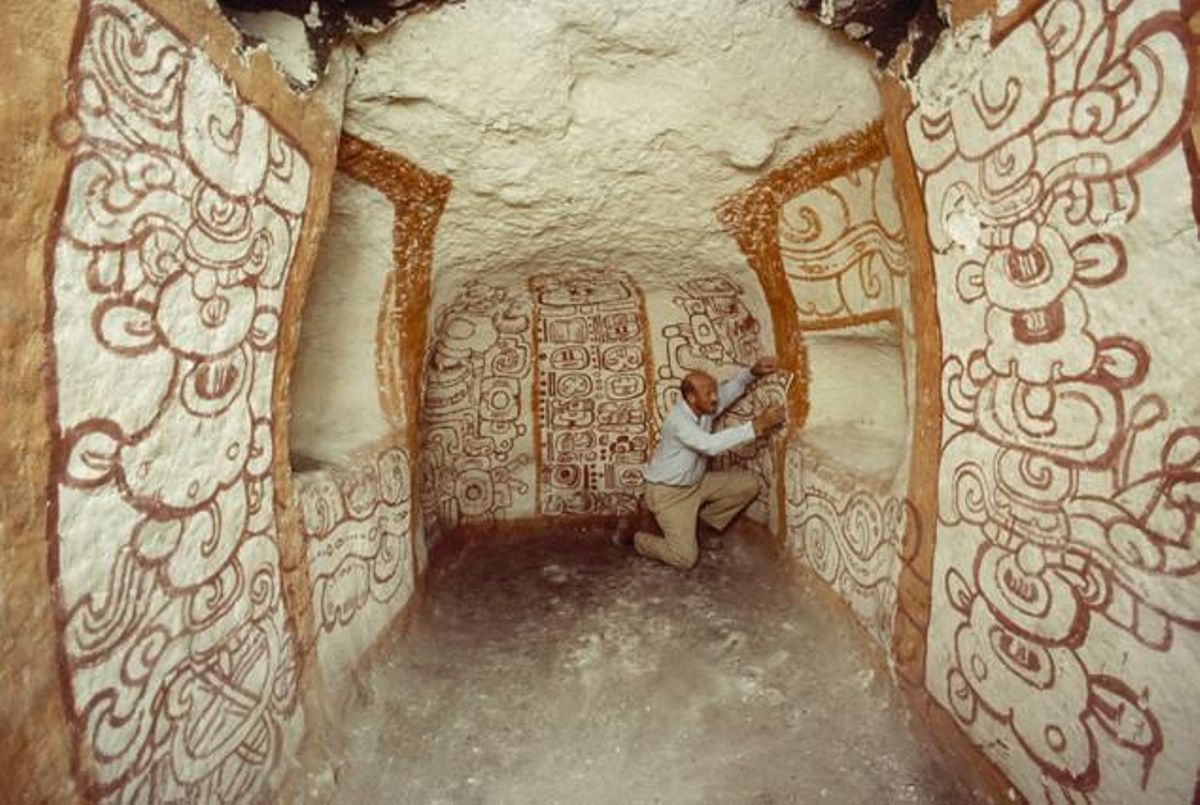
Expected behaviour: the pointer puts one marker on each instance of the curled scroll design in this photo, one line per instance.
(849, 535)
(181, 210)
(842, 246)
(356, 520)
(475, 443)
(1067, 510)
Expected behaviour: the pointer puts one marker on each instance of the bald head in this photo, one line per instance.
(699, 391)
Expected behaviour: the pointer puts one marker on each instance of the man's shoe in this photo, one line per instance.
(709, 537)
(622, 537)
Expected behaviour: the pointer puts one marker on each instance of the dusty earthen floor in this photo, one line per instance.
(564, 670)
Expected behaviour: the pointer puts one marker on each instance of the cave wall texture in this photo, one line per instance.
(979, 272)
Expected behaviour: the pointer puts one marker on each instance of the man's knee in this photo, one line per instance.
(683, 557)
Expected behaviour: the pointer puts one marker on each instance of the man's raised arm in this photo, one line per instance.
(729, 391)
(698, 439)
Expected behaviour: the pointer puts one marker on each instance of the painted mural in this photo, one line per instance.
(844, 253)
(1066, 581)
(181, 211)
(710, 328)
(849, 534)
(357, 521)
(825, 236)
(357, 517)
(843, 249)
(592, 366)
(476, 445)
(419, 198)
(836, 254)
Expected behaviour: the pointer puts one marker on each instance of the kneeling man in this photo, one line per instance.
(678, 485)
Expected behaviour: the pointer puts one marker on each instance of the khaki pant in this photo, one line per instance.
(717, 499)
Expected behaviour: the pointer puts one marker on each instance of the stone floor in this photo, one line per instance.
(563, 670)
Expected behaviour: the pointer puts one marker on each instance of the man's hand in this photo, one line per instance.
(769, 419)
(763, 366)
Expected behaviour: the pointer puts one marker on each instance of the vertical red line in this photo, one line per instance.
(58, 451)
(909, 640)
(535, 397)
(647, 372)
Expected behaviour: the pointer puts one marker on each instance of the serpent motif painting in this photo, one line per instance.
(181, 210)
(1066, 585)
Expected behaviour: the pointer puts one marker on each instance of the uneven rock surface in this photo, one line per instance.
(581, 135)
(565, 670)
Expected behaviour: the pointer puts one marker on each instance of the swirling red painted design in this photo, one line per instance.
(1067, 511)
(848, 534)
(357, 521)
(842, 248)
(476, 450)
(182, 207)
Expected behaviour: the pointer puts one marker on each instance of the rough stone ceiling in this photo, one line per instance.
(882, 25)
(602, 135)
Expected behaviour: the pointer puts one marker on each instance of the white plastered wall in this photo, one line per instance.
(336, 409)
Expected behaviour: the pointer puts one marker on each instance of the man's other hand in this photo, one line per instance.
(764, 366)
(769, 419)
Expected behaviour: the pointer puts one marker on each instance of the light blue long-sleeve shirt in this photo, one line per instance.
(687, 441)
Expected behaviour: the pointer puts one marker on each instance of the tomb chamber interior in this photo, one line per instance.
(338, 336)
